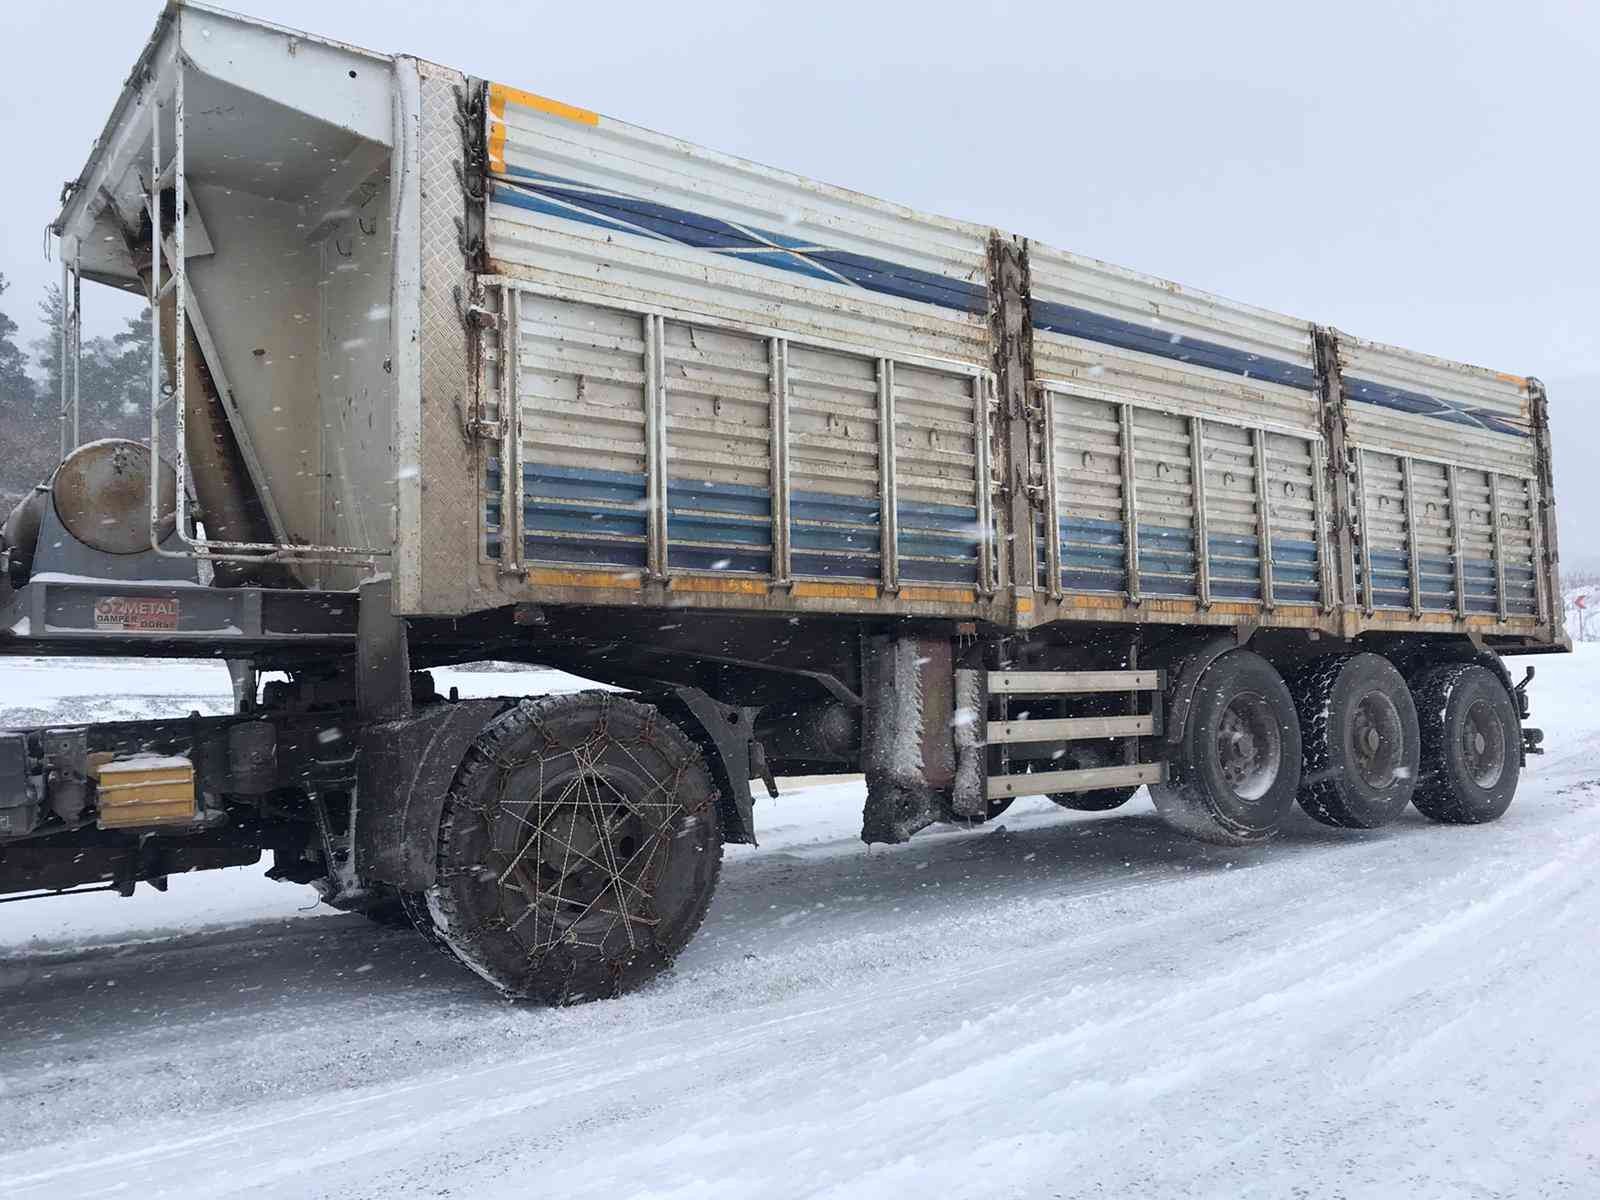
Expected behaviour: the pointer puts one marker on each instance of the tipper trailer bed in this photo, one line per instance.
(462, 372)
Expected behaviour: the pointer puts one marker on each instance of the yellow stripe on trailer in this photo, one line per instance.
(500, 95)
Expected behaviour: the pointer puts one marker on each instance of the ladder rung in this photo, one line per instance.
(1085, 780)
(1071, 729)
(1061, 683)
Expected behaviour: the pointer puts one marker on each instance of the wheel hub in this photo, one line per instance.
(1483, 744)
(1249, 746)
(1377, 740)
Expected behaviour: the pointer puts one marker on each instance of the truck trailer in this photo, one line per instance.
(452, 371)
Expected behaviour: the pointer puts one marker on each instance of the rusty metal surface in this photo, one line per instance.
(102, 496)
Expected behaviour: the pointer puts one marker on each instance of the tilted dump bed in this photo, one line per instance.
(529, 353)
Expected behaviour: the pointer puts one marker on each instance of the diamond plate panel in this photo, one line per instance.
(453, 581)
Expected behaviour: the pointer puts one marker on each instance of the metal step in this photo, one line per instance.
(1139, 688)
(1087, 779)
(1067, 683)
(1071, 729)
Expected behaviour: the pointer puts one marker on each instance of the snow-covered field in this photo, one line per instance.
(1062, 1005)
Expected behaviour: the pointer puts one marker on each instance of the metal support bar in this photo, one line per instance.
(1413, 544)
(1319, 505)
(1069, 683)
(1499, 546)
(1130, 506)
(889, 521)
(1458, 552)
(1541, 580)
(512, 542)
(1052, 503)
(1071, 729)
(1263, 517)
(1087, 779)
(778, 379)
(1366, 533)
(1325, 345)
(655, 421)
(1548, 561)
(986, 509)
(1197, 486)
(985, 484)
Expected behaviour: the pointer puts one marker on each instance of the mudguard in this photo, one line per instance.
(405, 769)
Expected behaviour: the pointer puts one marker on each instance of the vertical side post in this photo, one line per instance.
(1366, 533)
(1458, 553)
(655, 421)
(778, 379)
(1549, 562)
(1499, 546)
(984, 485)
(1130, 505)
(1319, 505)
(1325, 344)
(1011, 336)
(1052, 493)
(1202, 537)
(1541, 594)
(1263, 517)
(1413, 547)
(888, 489)
(513, 537)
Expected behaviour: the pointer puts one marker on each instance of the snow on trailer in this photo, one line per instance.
(462, 372)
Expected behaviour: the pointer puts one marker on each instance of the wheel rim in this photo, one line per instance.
(1249, 746)
(1377, 740)
(578, 849)
(1483, 744)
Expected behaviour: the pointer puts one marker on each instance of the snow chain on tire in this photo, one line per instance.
(578, 849)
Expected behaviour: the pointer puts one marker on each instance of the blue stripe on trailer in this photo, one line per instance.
(619, 212)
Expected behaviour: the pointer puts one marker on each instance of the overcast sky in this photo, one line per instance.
(1420, 173)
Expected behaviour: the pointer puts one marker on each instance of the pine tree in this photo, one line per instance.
(27, 436)
(114, 389)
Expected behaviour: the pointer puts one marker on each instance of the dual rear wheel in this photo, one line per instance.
(1347, 737)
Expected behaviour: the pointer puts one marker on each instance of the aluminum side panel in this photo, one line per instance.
(599, 209)
(1134, 337)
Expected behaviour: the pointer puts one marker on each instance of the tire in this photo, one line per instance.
(1471, 745)
(1233, 776)
(1358, 731)
(1099, 800)
(388, 909)
(578, 850)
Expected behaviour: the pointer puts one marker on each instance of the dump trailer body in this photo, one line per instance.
(524, 352)
(825, 484)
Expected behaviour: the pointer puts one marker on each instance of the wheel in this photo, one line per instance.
(1233, 776)
(578, 849)
(1358, 728)
(1099, 800)
(1471, 745)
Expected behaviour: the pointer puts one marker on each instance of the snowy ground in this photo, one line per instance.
(1066, 1006)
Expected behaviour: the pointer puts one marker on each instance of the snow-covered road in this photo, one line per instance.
(1065, 1005)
